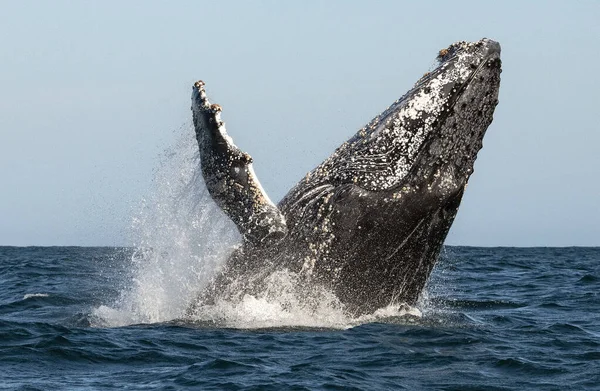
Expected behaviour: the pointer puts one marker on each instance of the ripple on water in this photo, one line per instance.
(506, 329)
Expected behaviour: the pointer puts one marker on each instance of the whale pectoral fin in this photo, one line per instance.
(230, 178)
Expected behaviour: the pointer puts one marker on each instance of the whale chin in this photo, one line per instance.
(369, 222)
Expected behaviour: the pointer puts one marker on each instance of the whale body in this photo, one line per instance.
(369, 222)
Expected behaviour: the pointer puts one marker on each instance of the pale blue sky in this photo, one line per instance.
(91, 92)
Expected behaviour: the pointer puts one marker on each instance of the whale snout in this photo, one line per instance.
(493, 47)
(474, 52)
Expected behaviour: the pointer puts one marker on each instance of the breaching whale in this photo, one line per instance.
(369, 222)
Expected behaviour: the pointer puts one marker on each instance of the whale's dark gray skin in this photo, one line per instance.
(370, 221)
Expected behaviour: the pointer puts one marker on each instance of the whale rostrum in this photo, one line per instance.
(369, 222)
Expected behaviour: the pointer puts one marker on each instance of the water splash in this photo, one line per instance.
(181, 239)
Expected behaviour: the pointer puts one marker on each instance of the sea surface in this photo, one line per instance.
(77, 318)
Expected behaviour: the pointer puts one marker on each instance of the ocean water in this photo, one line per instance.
(490, 319)
(76, 318)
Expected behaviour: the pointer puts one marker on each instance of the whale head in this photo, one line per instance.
(378, 210)
(431, 135)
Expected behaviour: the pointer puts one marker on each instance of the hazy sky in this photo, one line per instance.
(92, 91)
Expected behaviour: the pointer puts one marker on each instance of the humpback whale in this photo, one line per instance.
(369, 222)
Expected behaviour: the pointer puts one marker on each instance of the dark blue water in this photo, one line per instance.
(492, 319)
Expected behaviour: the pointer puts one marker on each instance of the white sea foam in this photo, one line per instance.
(30, 295)
(283, 302)
(182, 238)
(286, 302)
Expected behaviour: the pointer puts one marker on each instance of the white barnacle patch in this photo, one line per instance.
(427, 102)
(309, 265)
(445, 180)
